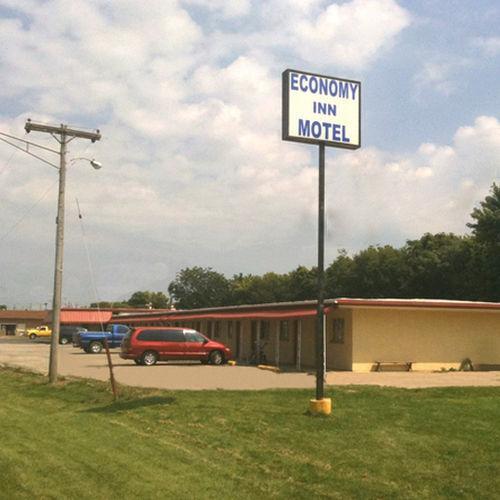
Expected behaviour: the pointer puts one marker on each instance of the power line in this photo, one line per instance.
(9, 231)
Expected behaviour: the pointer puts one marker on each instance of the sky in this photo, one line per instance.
(187, 96)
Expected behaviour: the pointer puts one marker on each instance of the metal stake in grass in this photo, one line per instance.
(110, 365)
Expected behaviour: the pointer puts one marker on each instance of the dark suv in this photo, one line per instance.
(146, 345)
(66, 333)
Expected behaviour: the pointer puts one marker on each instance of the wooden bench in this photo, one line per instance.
(406, 364)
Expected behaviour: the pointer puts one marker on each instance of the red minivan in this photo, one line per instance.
(148, 344)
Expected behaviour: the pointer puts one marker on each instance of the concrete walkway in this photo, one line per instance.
(74, 362)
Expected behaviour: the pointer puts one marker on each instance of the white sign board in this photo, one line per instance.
(321, 109)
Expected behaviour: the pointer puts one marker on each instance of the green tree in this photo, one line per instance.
(486, 227)
(104, 304)
(3, 307)
(486, 231)
(155, 300)
(375, 272)
(442, 266)
(302, 284)
(265, 289)
(338, 276)
(198, 287)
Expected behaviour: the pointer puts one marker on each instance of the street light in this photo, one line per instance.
(58, 272)
(63, 134)
(96, 164)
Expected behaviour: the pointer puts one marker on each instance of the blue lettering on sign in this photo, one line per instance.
(324, 108)
(354, 88)
(344, 137)
(327, 127)
(324, 86)
(344, 90)
(325, 130)
(304, 127)
(336, 132)
(313, 84)
(333, 88)
(303, 83)
(316, 130)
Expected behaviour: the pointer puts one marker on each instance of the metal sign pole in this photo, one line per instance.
(323, 110)
(320, 342)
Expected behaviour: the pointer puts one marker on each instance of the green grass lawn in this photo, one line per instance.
(72, 441)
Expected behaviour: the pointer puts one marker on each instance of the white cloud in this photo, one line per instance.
(195, 171)
(441, 76)
(228, 9)
(350, 34)
(489, 45)
(431, 190)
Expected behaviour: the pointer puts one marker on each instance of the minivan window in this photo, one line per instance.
(173, 335)
(161, 336)
(150, 336)
(193, 336)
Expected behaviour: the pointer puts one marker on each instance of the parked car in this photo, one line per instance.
(93, 342)
(147, 345)
(39, 331)
(66, 333)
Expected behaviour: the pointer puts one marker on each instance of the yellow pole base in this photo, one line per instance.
(320, 406)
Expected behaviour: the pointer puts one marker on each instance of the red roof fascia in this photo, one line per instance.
(270, 314)
(86, 316)
(433, 304)
(24, 315)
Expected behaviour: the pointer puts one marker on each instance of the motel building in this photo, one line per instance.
(360, 334)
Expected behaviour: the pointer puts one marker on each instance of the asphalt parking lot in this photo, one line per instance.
(34, 355)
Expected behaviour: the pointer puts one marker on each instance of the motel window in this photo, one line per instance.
(284, 335)
(198, 326)
(209, 329)
(338, 331)
(216, 329)
(229, 330)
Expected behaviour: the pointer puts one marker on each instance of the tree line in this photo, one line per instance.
(435, 266)
(140, 299)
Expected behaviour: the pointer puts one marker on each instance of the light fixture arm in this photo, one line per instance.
(96, 164)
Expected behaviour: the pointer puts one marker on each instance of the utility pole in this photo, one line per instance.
(62, 134)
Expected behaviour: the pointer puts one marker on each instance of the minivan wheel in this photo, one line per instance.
(32, 336)
(64, 341)
(149, 358)
(216, 358)
(137, 361)
(95, 347)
